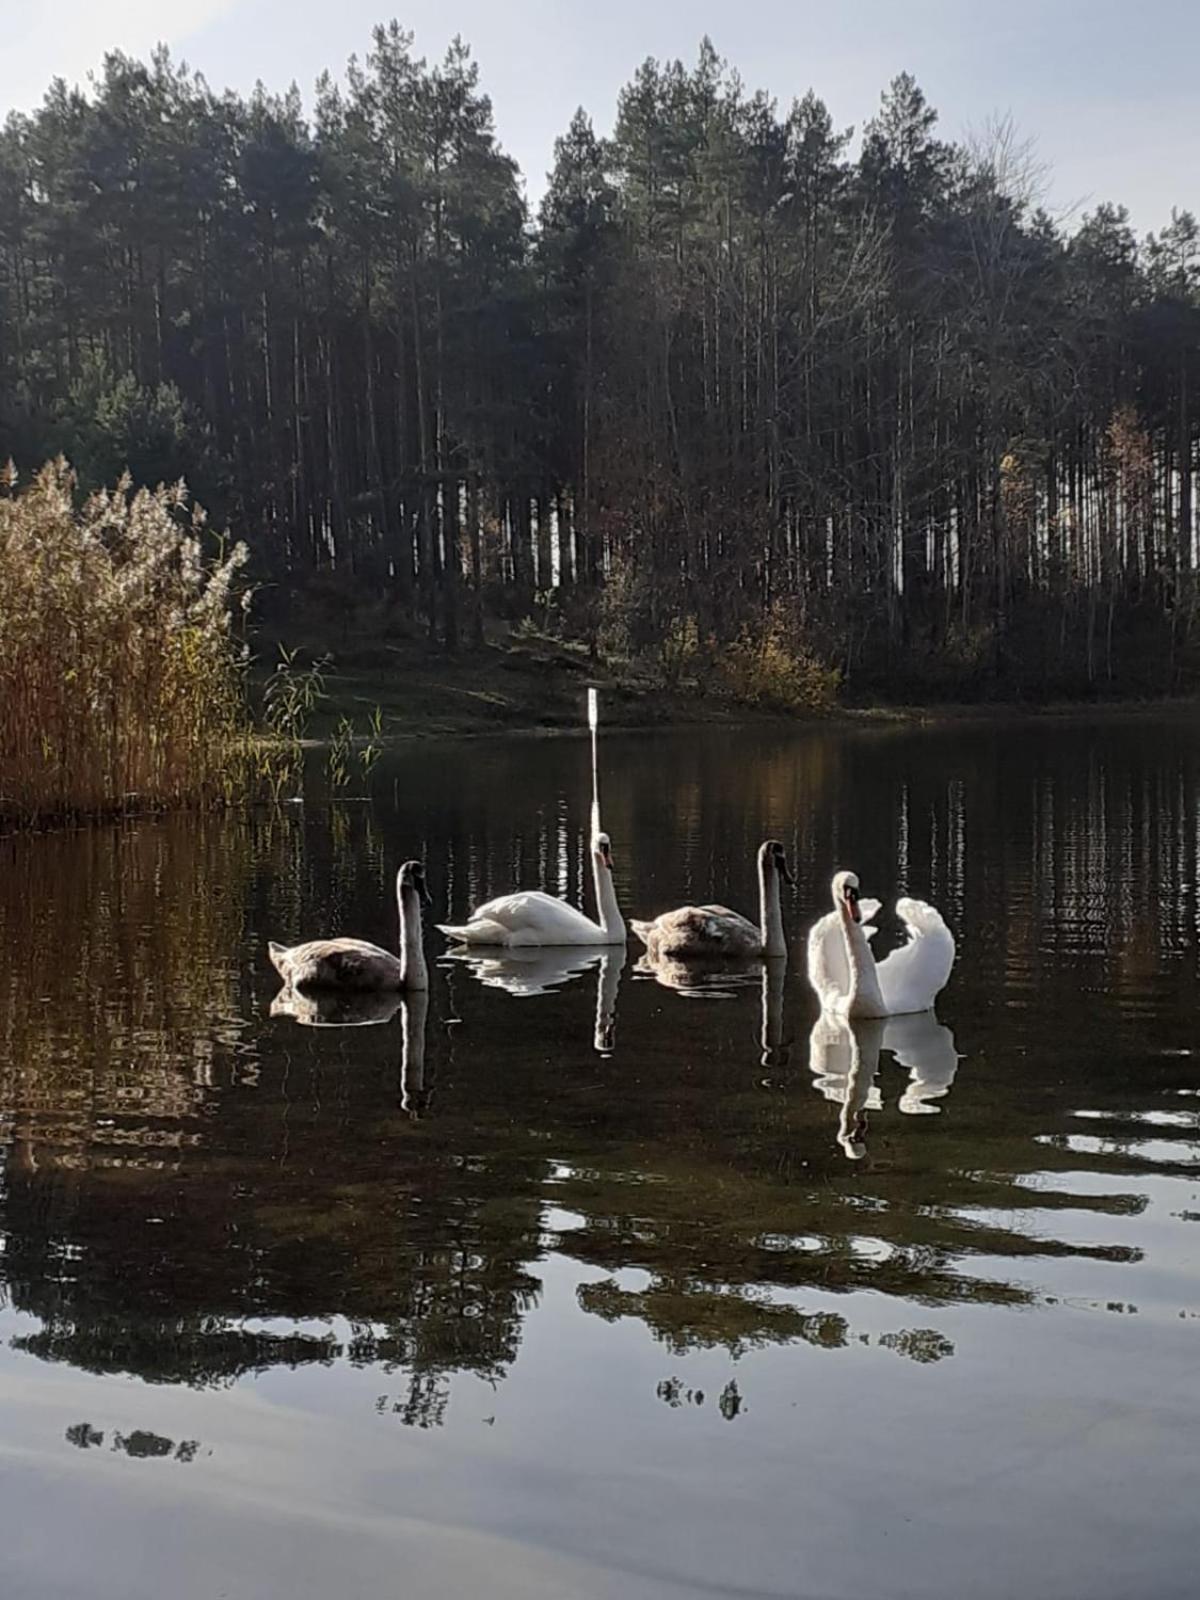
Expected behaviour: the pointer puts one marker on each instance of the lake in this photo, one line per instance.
(573, 1283)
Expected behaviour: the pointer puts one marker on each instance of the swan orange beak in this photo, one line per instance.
(851, 896)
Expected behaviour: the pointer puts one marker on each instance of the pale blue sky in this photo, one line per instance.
(1107, 90)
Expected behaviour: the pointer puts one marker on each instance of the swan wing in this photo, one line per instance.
(337, 964)
(699, 931)
(912, 976)
(528, 917)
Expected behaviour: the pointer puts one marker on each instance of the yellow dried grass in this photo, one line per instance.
(120, 683)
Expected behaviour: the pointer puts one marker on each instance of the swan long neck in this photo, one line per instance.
(865, 997)
(607, 909)
(769, 909)
(414, 974)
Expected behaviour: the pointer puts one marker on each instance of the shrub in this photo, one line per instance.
(680, 651)
(771, 666)
(120, 680)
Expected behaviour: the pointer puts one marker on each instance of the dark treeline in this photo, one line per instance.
(729, 380)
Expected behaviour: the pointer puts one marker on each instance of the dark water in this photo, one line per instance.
(461, 1304)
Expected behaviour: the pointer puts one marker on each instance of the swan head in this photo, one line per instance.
(412, 876)
(602, 850)
(845, 894)
(772, 858)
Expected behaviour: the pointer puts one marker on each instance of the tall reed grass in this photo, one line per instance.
(120, 681)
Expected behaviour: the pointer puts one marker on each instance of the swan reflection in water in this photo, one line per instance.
(715, 979)
(523, 971)
(844, 1061)
(331, 1009)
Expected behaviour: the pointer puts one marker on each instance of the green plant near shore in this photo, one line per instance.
(291, 695)
(121, 681)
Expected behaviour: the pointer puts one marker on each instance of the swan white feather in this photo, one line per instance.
(530, 917)
(907, 980)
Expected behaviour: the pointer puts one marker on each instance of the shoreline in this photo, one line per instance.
(538, 690)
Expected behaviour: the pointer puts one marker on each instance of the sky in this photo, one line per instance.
(1103, 88)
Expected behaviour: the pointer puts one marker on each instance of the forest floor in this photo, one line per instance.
(538, 685)
(517, 686)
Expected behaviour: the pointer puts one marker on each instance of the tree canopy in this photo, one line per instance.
(732, 370)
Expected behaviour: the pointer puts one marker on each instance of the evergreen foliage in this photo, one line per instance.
(733, 371)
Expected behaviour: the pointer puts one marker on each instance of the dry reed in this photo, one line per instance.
(120, 683)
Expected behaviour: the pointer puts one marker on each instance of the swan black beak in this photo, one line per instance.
(852, 902)
(422, 888)
(785, 872)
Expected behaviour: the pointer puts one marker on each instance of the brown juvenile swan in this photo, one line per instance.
(717, 931)
(351, 964)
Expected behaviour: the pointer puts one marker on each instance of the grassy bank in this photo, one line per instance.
(518, 685)
(534, 684)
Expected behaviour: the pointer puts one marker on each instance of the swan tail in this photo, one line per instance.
(278, 954)
(641, 930)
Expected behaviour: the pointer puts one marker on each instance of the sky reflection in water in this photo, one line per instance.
(580, 1277)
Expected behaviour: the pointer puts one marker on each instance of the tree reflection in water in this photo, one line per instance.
(194, 1189)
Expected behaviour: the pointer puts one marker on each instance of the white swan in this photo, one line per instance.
(717, 931)
(534, 918)
(353, 964)
(845, 974)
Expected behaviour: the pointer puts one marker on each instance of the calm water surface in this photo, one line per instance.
(571, 1283)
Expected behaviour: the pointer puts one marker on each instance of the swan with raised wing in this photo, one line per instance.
(355, 965)
(532, 917)
(843, 970)
(715, 930)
